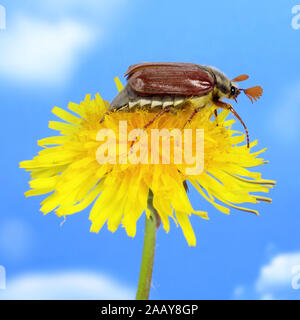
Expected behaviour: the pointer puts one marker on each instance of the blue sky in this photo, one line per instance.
(53, 52)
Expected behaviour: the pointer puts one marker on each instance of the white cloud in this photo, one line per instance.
(47, 46)
(278, 279)
(278, 273)
(35, 50)
(65, 285)
(284, 120)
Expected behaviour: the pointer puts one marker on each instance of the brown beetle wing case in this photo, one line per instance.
(185, 79)
(133, 68)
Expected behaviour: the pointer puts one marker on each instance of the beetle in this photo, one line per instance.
(166, 85)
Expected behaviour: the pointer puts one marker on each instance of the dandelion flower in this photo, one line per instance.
(68, 171)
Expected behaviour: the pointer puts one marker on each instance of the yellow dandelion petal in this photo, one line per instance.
(88, 199)
(66, 116)
(118, 84)
(186, 226)
(38, 192)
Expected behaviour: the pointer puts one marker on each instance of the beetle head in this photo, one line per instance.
(251, 93)
(226, 88)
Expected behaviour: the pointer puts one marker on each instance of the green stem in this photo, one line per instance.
(145, 278)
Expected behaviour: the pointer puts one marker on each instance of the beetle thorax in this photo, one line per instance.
(222, 85)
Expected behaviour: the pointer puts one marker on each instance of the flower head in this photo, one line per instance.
(70, 170)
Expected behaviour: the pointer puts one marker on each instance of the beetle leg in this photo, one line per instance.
(166, 110)
(105, 114)
(163, 111)
(230, 108)
(196, 110)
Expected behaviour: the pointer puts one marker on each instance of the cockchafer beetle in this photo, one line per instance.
(167, 85)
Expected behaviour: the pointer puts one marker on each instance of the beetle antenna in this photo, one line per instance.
(242, 77)
(253, 92)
